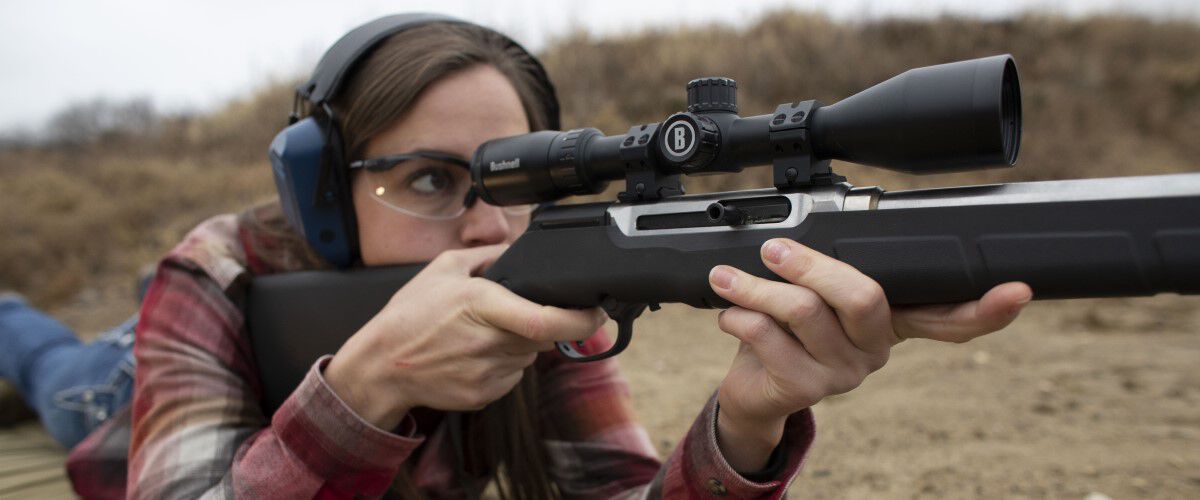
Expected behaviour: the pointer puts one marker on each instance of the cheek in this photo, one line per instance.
(386, 237)
(516, 227)
(402, 240)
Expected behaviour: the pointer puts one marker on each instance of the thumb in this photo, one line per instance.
(965, 321)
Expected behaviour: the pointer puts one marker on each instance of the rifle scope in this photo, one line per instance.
(949, 117)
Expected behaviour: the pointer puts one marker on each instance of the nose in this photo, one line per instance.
(484, 224)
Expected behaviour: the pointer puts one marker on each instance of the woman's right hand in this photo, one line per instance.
(448, 340)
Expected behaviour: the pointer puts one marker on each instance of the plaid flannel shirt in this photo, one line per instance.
(197, 429)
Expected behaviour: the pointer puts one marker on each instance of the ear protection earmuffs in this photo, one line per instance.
(307, 157)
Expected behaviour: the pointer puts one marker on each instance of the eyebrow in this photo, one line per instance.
(437, 152)
(378, 163)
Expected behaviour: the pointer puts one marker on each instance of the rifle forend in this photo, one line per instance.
(1127, 236)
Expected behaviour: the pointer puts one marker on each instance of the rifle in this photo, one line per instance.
(1130, 236)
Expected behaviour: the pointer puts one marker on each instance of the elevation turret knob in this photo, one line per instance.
(712, 94)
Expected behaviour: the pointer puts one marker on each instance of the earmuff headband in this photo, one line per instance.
(338, 60)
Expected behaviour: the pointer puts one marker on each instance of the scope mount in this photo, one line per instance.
(790, 136)
(644, 182)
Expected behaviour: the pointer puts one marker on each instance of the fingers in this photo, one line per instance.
(769, 341)
(962, 322)
(496, 306)
(800, 376)
(493, 305)
(801, 310)
(859, 301)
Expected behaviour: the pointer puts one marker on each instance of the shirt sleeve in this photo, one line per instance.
(198, 428)
(598, 450)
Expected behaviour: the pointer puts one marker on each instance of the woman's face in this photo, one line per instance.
(454, 115)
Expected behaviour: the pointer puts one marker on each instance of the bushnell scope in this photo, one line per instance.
(957, 116)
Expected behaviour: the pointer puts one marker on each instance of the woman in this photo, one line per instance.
(455, 382)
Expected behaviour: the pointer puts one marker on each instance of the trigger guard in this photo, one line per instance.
(624, 315)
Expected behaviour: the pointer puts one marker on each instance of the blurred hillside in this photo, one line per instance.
(117, 185)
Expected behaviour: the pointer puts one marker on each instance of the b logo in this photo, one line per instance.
(680, 138)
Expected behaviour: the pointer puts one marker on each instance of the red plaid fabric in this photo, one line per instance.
(196, 427)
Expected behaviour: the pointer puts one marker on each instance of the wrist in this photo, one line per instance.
(747, 443)
(382, 407)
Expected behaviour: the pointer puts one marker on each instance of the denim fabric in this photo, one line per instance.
(73, 387)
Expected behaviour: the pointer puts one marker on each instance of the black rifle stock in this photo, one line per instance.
(1130, 236)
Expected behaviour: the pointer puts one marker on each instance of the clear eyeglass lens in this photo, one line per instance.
(426, 187)
(422, 187)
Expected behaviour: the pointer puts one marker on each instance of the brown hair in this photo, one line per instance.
(382, 87)
(503, 440)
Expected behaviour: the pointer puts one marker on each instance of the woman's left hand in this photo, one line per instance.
(819, 334)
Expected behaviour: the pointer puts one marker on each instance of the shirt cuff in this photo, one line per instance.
(707, 470)
(335, 443)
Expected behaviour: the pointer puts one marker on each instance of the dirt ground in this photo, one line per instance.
(1076, 397)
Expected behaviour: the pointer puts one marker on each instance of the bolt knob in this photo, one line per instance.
(712, 94)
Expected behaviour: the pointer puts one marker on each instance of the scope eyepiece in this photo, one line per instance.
(538, 167)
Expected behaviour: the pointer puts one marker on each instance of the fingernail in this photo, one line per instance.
(775, 251)
(1025, 300)
(722, 277)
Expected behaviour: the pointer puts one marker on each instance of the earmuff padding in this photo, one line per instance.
(340, 187)
(296, 154)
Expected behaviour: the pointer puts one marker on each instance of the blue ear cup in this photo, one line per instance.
(296, 156)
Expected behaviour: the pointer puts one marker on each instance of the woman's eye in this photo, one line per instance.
(430, 181)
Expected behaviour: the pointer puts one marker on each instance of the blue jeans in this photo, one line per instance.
(73, 387)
